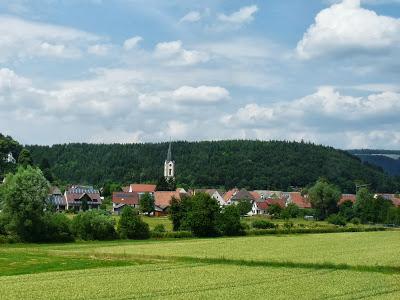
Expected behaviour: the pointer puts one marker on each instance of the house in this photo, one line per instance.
(56, 199)
(10, 159)
(391, 197)
(261, 206)
(214, 193)
(162, 201)
(296, 198)
(122, 199)
(242, 195)
(347, 197)
(141, 189)
(228, 196)
(265, 194)
(76, 195)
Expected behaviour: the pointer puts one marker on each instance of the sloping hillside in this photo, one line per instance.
(389, 161)
(251, 164)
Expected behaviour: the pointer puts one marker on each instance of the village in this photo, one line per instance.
(77, 197)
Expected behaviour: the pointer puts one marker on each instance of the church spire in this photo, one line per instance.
(169, 154)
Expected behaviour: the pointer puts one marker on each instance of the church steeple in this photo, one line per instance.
(169, 164)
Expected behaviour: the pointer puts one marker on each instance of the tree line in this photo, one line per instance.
(218, 164)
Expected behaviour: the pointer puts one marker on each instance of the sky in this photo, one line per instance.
(125, 71)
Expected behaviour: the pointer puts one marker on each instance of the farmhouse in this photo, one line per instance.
(77, 195)
(122, 199)
(298, 199)
(162, 201)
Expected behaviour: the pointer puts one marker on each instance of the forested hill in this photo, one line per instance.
(389, 160)
(251, 164)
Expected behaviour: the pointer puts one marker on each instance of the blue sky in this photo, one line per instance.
(324, 71)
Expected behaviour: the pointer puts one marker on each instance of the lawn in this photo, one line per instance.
(316, 266)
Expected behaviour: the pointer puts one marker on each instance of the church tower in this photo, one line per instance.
(169, 165)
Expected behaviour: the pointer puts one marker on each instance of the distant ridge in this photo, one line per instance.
(219, 164)
(388, 160)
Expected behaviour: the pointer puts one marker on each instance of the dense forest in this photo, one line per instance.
(222, 164)
(388, 160)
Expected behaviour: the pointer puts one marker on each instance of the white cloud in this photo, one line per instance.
(25, 39)
(191, 17)
(243, 15)
(99, 49)
(177, 129)
(347, 27)
(174, 54)
(132, 42)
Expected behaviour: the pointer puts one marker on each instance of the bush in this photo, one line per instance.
(131, 225)
(245, 225)
(94, 225)
(159, 228)
(336, 220)
(355, 221)
(262, 224)
(57, 228)
(290, 211)
(288, 225)
(230, 221)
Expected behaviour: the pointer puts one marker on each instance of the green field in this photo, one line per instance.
(317, 266)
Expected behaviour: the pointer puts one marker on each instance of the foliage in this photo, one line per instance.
(159, 228)
(110, 187)
(262, 165)
(166, 184)
(336, 219)
(131, 225)
(324, 198)
(274, 210)
(262, 224)
(229, 221)
(58, 228)
(346, 210)
(146, 203)
(244, 207)
(24, 158)
(290, 211)
(94, 225)
(179, 210)
(24, 196)
(8, 145)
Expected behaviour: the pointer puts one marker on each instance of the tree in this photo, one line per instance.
(324, 198)
(364, 206)
(179, 210)
(162, 184)
(230, 221)
(146, 203)
(203, 217)
(24, 201)
(274, 210)
(84, 204)
(131, 225)
(109, 188)
(244, 206)
(290, 211)
(24, 158)
(46, 169)
(94, 225)
(346, 210)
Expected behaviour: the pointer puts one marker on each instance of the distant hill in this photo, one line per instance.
(222, 164)
(388, 160)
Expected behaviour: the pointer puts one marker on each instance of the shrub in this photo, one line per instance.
(336, 220)
(131, 225)
(290, 211)
(355, 221)
(159, 228)
(94, 225)
(245, 225)
(288, 225)
(57, 228)
(262, 224)
(230, 221)
(244, 207)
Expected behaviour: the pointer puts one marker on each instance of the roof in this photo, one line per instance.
(396, 202)
(125, 198)
(270, 201)
(143, 188)
(76, 193)
(255, 195)
(55, 191)
(347, 197)
(243, 194)
(229, 194)
(57, 199)
(299, 200)
(163, 199)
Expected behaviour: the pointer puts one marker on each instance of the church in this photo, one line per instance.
(169, 165)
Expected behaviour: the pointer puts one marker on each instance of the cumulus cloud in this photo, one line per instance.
(173, 53)
(132, 42)
(346, 27)
(99, 49)
(243, 15)
(23, 39)
(191, 17)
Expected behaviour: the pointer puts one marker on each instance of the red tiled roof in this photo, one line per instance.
(143, 188)
(262, 205)
(299, 200)
(271, 201)
(125, 198)
(229, 194)
(76, 193)
(255, 195)
(347, 197)
(163, 199)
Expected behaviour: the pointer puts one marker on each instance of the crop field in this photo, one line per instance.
(318, 266)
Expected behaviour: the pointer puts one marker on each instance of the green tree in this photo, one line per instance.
(24, 201)
(131, 225)
(94, 225)
(146, 203)
(346, 210)
(162, 184)
(244, 206)
(203, 217)
(230, 221)
(46, 169)
(24, 158)
(274, 210)
(290, 211)
(324, 198)
(364, 206)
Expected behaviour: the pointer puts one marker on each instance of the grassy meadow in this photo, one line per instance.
(317, 266)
